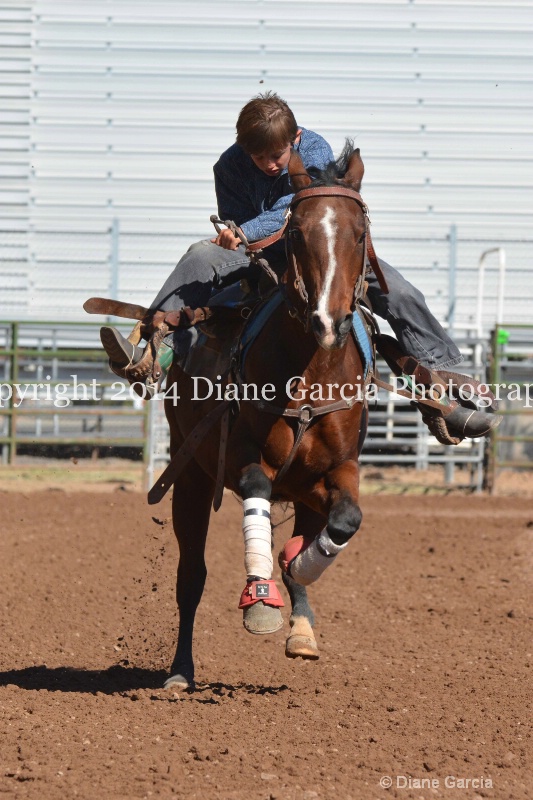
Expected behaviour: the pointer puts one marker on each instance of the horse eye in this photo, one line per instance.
(362, 238)
(296, 234)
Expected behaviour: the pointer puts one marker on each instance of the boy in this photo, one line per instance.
(252, 188)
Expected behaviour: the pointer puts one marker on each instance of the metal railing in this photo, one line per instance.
(56, 390)
(444, 263)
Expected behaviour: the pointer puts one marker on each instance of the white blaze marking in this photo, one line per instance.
(330, 231)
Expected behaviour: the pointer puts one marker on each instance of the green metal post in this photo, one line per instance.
(12, 423)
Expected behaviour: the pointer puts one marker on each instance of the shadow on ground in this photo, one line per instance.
(115, 680)
(67, 679)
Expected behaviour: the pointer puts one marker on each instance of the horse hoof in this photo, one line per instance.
(301, 647)
(262, 619)
(177, 683)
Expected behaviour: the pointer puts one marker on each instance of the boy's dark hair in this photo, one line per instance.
(266, 123)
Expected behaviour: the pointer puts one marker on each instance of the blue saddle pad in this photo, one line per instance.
(362, 339)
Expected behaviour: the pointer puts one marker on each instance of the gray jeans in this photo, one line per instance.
(206, 267)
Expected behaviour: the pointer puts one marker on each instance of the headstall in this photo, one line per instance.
(326, 191)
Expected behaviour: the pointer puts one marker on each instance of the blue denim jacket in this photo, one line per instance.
(255, 201)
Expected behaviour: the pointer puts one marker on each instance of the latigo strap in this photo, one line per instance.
(115, 308)
(182, 318)
(185, 452)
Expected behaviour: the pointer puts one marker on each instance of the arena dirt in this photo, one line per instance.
(424, 627)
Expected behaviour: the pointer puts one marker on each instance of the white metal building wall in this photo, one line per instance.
(15, 79)
(133, 101)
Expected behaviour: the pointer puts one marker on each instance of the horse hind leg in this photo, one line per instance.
(301, 642)
(191, 509)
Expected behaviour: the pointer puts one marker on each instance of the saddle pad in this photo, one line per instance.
(362, 339)
(257, 322)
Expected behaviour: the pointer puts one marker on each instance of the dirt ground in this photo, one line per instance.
(424, 626)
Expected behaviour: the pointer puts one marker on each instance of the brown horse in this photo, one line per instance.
(300, 442)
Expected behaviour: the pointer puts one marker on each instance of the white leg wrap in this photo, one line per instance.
(308, 566)
(257, 538)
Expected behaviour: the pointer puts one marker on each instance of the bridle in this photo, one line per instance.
(255, 249)
(368, 256)
(308, 194)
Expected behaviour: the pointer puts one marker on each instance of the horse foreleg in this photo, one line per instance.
(301, 642)
(305, 561)
(191, 508)
(260, 600)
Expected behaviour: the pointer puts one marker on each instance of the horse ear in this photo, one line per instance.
(297, 172)
(356, 169)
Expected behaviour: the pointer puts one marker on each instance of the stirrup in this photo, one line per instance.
(438, 428)
(148, 366)
(154, 364)
(148, 373)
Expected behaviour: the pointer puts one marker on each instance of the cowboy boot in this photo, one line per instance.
(146, 368)
(459, 423)
(471, 423)
(450, 422)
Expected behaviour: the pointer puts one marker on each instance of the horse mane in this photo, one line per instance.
(334, 172)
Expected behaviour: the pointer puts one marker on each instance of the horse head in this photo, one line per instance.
(326, 244)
